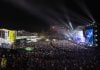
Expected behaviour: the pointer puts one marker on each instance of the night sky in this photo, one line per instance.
(37, 15)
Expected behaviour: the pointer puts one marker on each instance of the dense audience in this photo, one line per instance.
(49, 57)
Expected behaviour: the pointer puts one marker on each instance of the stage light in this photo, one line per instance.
(96, 40)
(96, 35)
(96, 44)
(95, 30)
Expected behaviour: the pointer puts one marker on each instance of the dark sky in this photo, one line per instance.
(31, 15)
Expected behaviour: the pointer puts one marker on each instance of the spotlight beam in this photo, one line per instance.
(32, 9)
(56, 15)
(70, 24)
(69, 12)
(82, 5)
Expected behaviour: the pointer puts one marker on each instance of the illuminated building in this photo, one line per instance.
(7, 36)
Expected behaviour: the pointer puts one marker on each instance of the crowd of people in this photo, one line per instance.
(49, 57)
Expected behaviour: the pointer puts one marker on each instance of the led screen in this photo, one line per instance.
(89, 36)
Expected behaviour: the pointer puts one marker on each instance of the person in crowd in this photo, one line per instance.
(3, 63)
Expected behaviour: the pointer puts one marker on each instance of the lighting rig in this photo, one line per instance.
(96, 35)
